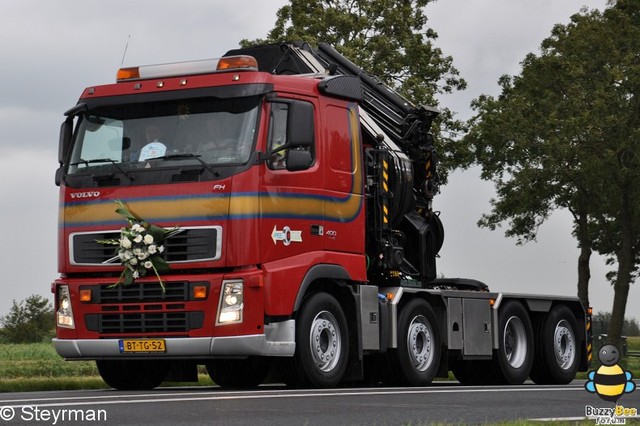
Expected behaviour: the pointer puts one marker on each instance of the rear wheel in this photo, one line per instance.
(557, 349)
(415, 362)
(514, 357)
(473, 372)
(238, 373)
(133, 374)
(322, 344)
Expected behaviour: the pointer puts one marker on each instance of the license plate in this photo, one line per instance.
(142, 345)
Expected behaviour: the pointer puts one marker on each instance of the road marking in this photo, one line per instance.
(559, 419)
(219, 395)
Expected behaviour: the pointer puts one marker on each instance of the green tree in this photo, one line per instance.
(564, 134)
(387, 38)
(29, 321)
(602, 320)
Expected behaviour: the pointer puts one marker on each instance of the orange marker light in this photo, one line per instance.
(85, 296)
(128, 73)
(492, 302)
(237, 62)
(200, 292)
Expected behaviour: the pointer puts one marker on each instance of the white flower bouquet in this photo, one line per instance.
(139, 247)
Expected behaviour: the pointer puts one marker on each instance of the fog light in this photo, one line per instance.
(231, 303)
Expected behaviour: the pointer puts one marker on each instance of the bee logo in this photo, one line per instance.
(610, 381)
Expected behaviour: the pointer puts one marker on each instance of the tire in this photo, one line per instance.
(322, 345)
(133, 374)
(415, 362)
(514, 357)
(238, 373)
(474, 372)
(557, 352)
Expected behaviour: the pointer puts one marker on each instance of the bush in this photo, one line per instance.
(601, 322)
(29, 321)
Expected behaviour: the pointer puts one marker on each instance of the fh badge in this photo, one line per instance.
(286, 235)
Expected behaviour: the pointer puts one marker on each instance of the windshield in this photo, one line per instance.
(132, 137)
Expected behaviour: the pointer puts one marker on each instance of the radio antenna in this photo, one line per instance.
(126, 46)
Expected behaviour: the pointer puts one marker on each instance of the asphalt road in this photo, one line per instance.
(442, 403)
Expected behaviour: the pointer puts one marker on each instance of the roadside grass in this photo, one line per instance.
(37, 367)
(630, 363)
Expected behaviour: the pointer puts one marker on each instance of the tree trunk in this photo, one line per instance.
(626, 262)
(621, 292)
(584, 272)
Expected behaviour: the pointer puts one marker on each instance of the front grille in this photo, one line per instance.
(143, 322)
(150, 292)
(190, 245)
(138, 293)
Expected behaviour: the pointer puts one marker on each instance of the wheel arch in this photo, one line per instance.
(335, 281)
(325, 277)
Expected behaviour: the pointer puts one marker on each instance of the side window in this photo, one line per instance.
(278, 135)
(291, 137)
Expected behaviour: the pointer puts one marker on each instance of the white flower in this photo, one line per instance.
(138, 239)
(127, 254)
(137, 228)
(136, 274)
(125, 243)
(133, 261)
(142, 256)
(148, 264)
(152, 249)
(137, 251)
(148, 239)
(161, 249)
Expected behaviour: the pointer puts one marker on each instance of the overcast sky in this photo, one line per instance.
(52, 50)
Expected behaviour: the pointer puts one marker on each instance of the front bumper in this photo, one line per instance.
(278, 340)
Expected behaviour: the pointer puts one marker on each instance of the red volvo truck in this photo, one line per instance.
(303, 191)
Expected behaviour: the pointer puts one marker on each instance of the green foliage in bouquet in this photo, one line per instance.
(139, 247)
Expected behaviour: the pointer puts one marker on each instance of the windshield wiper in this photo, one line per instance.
(187, 156)
(103, 160)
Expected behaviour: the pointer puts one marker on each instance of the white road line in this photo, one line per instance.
(114, 399)
(559, 419)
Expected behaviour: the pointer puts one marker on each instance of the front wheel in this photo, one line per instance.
(133, 374)
(322, 344)
(238, 373)
(415, 362)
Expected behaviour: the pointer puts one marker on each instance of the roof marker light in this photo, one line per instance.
(128, 73)
(237, 62)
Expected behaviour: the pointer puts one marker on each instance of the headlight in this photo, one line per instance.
(64, 316)
(231, 303)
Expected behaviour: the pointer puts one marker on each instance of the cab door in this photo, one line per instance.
(292, 195)
(344, 206)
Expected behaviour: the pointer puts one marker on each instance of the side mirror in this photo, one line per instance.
(66, 130)
(300, 128)
(59, 174)
(297, 160)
